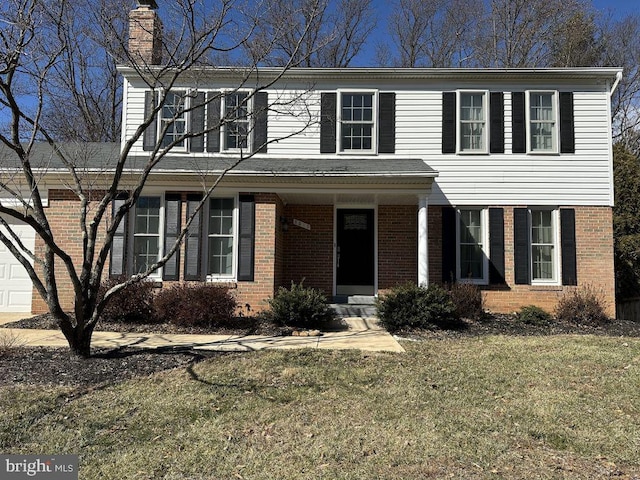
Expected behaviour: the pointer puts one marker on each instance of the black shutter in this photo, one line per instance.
(261, 113)
(328, 116)
(496, 245)
(192, 249)
(521, 246)
(568, 246)
(448, 122)
(197, 122)
(246, 238)
(567, 131)
(449, 244)
(172, 225)
(496, 115)
(118, 261)
(213, 122)
(387, 122)
(518, 126)
(150, 134)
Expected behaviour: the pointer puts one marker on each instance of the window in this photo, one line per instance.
(543, 246)
(236, 126)
(473, 122)
(146, 233)
(357, 128)
(542, 122)
(221, 237)
(472, 246)
(174, 119)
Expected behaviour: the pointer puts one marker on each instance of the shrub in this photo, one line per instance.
(132, 304)
(196, 305)
(9, 343)
(412, 307)
(299, 306)
(534, 315)
(467, 299)
(583, 306)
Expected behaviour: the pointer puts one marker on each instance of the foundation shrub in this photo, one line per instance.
(467, 299)
(196, 305)
(299, 306)
(133, 304)
(410, 306)
(534, 315)
(583, 306)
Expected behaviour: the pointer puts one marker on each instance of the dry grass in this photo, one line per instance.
(488, 407)
(9, 342)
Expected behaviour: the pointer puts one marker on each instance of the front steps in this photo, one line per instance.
(362, 306)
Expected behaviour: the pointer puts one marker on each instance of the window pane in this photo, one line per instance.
(147, 213)
(145, 253)
(220, 255)
(357, 121)
(542, 230)
(173, 118)
(471, 262)
(543, 262)
(236, 125)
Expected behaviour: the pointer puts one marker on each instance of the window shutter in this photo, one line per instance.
(328, 105)
(568, 246)
(246, 238)
(197, 122)
(150, 134)
(213, 122)
(567, 130)
(387, 123)
(496, 246)
(172, 224)
(521, 245)
(448, 122)
(261, 113)
(518, 127)
(118, 261)
(496, 112)
(192, 242)
(449, 244)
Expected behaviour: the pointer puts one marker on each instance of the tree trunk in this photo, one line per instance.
(79, 339)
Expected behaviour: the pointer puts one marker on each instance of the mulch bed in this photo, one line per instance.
(51, 366)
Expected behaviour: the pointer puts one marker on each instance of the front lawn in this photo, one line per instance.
(475, 407)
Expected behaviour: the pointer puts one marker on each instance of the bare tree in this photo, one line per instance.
(36, 44)
(336, 31)
(431, 33)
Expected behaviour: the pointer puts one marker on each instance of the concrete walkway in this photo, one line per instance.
(363, 334)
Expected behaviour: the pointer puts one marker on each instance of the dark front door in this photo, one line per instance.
(355, 252)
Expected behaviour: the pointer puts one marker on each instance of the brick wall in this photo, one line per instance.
(308, 254)
(594, 245)
(397, 245)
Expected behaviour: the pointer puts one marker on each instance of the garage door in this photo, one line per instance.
(15, 284)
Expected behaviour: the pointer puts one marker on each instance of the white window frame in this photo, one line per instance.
(459, 122)
(187, 120)
(210, 277)
(484, 225)
(374, 122)
(224, 126)
(555, 139)
(555, 257)
(157, 275)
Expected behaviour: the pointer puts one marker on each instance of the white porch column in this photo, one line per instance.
(423, 242)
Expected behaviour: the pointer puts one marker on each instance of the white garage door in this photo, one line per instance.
(15, 284)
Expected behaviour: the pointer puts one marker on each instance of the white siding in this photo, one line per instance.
(582, 178)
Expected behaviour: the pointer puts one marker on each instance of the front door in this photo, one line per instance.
(355, 252)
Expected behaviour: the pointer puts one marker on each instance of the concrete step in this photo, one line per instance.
(345, 310)
(355, 299)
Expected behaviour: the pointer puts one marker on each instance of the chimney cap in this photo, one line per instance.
(148, 3)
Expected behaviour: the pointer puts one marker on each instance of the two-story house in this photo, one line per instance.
(361, 179)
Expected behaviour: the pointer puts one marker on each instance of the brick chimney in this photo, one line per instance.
(145, 33)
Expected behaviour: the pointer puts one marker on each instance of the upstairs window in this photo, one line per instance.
(236, 125)
(473, 122)
(542, 122)
(173, 119)
(357, 125)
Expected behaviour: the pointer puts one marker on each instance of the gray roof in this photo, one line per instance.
(103, 156)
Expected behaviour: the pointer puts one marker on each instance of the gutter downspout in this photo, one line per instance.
(610, 96)
(615, 84)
